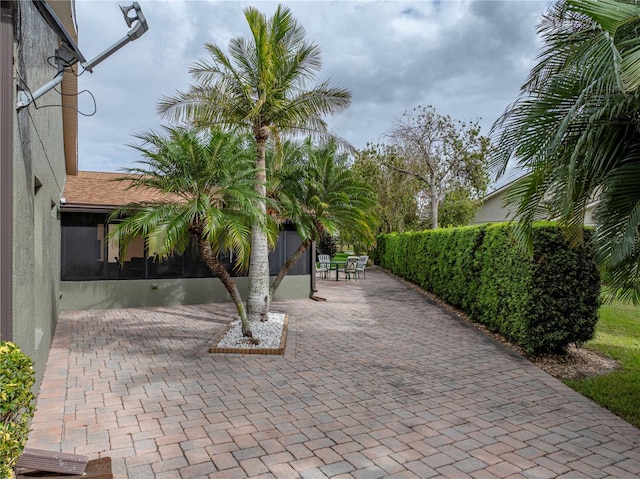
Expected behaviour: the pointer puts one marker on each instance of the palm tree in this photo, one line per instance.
(261, 86)
(574, 131)
(317, 192)
(205, 185)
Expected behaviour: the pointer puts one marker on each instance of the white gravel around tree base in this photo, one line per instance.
(268, 332)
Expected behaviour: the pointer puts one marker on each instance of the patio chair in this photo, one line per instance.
(349, 269)
(324, 265)
(362, 263)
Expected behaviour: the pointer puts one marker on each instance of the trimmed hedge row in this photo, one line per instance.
(542, 304)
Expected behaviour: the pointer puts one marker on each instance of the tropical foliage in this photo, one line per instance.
(204, 184)
(320, 195)
(261, 86)
(574, 131)
(327, 244)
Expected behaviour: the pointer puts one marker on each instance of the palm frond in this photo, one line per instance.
(209, 176)
(574, 131)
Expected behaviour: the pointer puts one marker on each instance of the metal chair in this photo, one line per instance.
(324, 265)
(349, 269)
(362, 263)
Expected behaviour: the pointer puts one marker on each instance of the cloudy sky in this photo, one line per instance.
(467, 58)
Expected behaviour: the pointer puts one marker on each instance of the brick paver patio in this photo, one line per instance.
(376, 382)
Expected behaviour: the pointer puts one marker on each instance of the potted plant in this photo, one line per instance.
(16, 405)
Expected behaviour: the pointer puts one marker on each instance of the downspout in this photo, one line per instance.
(312, 268)
(6, 170)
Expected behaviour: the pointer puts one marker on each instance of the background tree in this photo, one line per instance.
(574, 131)
(458, 207)
(261, 86)
(319, 194)
(395, 193)
(205, 188)
(442, 154)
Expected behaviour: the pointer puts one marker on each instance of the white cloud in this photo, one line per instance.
(467, 58)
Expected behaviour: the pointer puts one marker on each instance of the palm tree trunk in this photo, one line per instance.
(258, 298)
(293, 259)
(220, 271)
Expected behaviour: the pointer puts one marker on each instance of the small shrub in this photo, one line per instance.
(16, 404)
(327, 244)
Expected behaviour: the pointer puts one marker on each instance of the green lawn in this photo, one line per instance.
(617, 336)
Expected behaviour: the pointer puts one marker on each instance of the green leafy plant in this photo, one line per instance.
(16, 404)
(327, 244)
(573, 130)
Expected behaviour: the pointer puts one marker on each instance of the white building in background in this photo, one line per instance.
(494, 210)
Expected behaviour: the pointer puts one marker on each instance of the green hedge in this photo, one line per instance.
(542, 304)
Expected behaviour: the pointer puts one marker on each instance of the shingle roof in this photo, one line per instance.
(94, 189)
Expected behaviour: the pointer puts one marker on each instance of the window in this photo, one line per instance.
(83, 249)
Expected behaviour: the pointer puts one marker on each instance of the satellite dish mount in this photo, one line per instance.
(136, 32)
(67, 56)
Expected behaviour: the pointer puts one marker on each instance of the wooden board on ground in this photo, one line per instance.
(52, 461)
(95, 469)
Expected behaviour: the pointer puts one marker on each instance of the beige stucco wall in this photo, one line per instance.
(38, 180)
(588, 215)
(78, 295)
(492, 211)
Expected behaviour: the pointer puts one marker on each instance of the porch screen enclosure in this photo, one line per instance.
(87, 255)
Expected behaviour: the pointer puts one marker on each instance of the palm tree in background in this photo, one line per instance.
(205, 184)
(261, 85)
(317, 192)
(575, 131)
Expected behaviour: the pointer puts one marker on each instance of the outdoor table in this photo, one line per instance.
(335, 264)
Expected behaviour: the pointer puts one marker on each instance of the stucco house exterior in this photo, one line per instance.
(39, 58)
(493, 209)
(37, 151)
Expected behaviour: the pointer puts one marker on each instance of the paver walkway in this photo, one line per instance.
(376, 382)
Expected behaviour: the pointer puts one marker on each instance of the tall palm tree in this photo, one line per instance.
(205, 184)
(575, 132)
(317, 192)
(261, 86)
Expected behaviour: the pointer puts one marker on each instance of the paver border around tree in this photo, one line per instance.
(251, 349)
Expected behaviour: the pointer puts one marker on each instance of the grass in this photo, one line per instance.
(617, 336)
